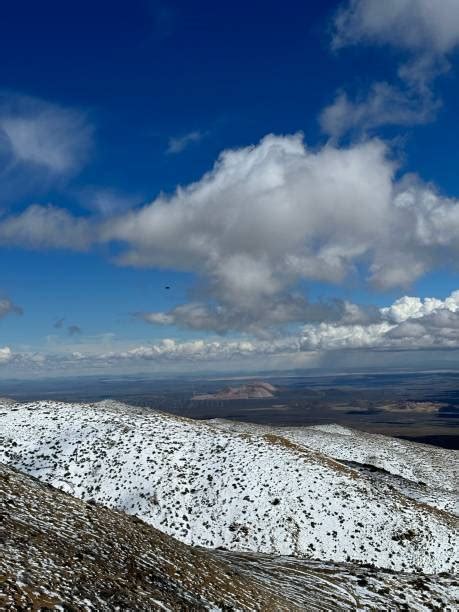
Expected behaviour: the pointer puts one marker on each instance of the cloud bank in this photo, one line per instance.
(410, 323)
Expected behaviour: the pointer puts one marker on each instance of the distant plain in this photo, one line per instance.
(422, 406)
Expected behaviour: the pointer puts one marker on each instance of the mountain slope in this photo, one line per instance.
(416, 462)
(316, 586)
(59, 552)
(422, 472)
(214, 488)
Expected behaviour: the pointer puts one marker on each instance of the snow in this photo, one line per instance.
(60, 553)
(211, 486)
(425, 473)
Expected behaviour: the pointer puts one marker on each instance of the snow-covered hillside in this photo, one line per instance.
(216, 488)
(60, 553)
(436, 467)
(422, 472)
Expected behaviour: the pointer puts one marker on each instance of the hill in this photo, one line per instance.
(425, 473)
(214, 488)
(255, 390)
(59, 552)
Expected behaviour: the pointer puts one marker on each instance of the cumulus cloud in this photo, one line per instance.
(8, 307)
(426, 31)
(270, 215)
(410, 323)
(45, 135)
(202, 350)
(179, 144)
(264, 219)
(165, 354)
(5, 355)
(407, 307)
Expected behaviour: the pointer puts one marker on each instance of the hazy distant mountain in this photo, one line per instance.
(244, 491)
(59, 552)
(255, 390)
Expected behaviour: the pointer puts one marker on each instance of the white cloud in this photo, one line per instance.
(44, 135)
(417, 25)
(410, 323)
(270, 215)
(179, 144)
(264, 217)
(415, 308)
(384, 104)
(327, 336)
(262, 220)
(47, 227)
(162, 356)
(169, 349)
(5, 355)
(106, 202)
(426, 30)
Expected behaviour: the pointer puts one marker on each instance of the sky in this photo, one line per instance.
(195, 187)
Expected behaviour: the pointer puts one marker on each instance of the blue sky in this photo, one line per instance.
(283, 254)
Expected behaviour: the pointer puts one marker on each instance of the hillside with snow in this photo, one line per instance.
(58, 553)
(211, 486)
(425, 473)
